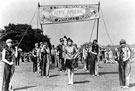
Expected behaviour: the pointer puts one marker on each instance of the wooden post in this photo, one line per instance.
(98, 21)
(38, 14)
(41, 28)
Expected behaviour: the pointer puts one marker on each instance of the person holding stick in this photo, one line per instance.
(8, 57)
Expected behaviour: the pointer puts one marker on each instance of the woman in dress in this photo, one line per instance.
(70, 55)
(8, 55)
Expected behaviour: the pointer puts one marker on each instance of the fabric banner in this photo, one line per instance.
(53, 14)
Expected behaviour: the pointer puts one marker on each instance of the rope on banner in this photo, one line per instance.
(106, 26)
(92, 30)
(28, 26)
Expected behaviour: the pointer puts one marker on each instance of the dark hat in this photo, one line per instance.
(95, 40)
(122, 41)
(61, 39)
(69, 39)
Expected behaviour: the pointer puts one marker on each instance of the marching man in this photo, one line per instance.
(123, 58)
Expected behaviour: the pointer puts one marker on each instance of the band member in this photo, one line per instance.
(53, 54)
(76, 60)
(17, 59)
(123, 58)
(61, 55)
(35, 57)
(8, 57)
(110, 53)
(46, 60)
(85, 57)
(57, 57)
(70, 55)
(41, 55)
(94, 59)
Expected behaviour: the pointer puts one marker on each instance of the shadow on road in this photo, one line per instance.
(24, 87)
(53, 76)
(81, 82)
(132, 85)
(103, 73)
(82, 73)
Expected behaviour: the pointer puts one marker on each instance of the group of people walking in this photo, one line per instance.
(65, 56)
(41, 59)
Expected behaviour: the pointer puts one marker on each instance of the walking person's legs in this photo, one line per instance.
(72, 76)
(60, 64)
(47, 69)
(11, 77)
(127, 73)
(69, 76)
(84, 64)
(92, 66)
(96, 66)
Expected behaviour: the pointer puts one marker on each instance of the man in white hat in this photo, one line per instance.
(8, 54)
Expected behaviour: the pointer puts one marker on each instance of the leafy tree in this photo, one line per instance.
(17, 32)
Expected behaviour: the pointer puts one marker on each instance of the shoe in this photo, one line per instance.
(11, 90)
(97, 75)
(72, 83)
(47, 77)
(69, 83)
(125, 87)
(75, 69)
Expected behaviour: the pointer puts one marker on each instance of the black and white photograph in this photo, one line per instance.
(67, 45)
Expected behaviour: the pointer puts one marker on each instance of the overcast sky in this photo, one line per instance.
(119, 16)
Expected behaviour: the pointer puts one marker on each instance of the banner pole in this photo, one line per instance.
(39, 16)
(41, 28)
(98, 21)
(38, 13)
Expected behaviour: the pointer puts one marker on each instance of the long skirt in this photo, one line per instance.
(7, 76)
(93, 65)
(124, 73)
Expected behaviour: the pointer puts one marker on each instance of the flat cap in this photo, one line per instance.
(9, 41)
(122, 41)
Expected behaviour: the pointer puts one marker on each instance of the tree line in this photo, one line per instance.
(16, 33)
